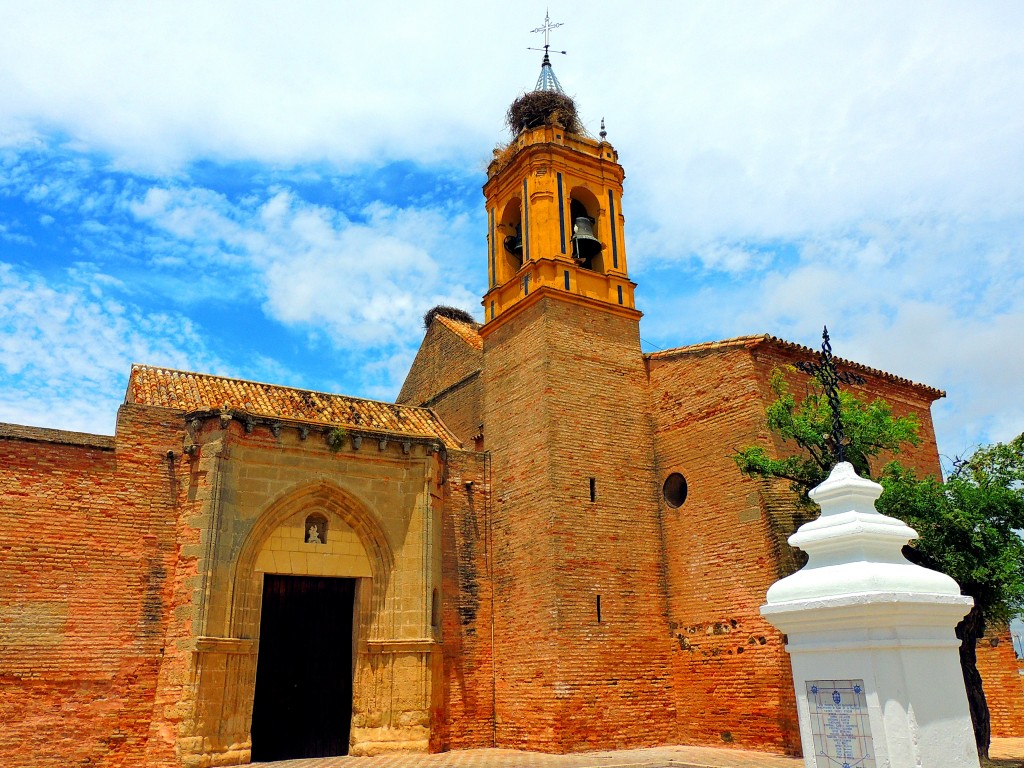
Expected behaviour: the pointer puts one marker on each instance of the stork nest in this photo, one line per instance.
(452, 313)
(538, 108)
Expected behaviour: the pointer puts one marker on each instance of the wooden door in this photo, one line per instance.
(303, 699)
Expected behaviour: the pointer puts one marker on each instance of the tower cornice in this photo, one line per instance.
(556, 140)
(547, 292)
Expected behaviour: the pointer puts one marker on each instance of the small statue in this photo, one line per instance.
(313, 535)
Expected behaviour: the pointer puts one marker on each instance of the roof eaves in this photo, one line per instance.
(752, 341)
(198, 398)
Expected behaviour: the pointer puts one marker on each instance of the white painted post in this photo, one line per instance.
(871, 638)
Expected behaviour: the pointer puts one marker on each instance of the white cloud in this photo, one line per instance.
(790, 163)
(936, 304)
(66, 349)
(365, 282)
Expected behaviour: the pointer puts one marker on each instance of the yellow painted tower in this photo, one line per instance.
(554, 212)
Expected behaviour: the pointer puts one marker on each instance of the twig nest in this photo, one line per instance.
(452, 313)
(538, 108)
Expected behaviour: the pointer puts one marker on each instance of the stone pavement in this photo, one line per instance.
(657, 757)
(1006, 751)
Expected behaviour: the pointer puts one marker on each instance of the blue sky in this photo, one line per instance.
(280, 191)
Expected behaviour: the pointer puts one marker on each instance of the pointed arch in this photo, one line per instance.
(246, 587)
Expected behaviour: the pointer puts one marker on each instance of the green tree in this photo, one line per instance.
(870, 429)
(968, 525)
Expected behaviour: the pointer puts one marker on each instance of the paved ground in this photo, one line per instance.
(1006, 753)
(660, 757)
(1010, 750)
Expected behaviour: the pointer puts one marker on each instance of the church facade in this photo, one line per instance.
(543, 544)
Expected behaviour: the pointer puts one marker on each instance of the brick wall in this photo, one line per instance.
(732, 672)
(523, 548)
(727, 544)
(565, 398)
(83, 587)
(128, 626)
(904, 398)
(445, 376)
(465, 719)
(1003, 683)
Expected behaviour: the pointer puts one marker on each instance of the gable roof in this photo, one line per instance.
(468, 333)
(787, 346)
(186, 391)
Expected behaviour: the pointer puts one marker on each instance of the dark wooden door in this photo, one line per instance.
(303, 700)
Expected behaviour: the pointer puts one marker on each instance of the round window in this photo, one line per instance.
(675, 490)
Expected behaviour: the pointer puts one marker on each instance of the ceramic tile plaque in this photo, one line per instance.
(839, 724)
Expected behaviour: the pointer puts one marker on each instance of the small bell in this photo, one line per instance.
(514, 243)
(585, 245)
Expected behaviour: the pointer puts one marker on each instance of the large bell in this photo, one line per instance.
(585, 245)
(514, 243)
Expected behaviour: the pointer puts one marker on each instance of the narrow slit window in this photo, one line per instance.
(566, 274)
(593, 489)
(435, 609)
(598, 609)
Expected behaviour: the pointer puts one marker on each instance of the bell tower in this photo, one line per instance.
(554, 208)
(582, 651)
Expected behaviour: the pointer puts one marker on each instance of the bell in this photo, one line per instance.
(585, 245)
(514, 243)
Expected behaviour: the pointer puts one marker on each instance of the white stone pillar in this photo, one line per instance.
(871, 637)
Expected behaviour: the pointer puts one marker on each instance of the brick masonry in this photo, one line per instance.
(86, 555)
(716, 555)
(445, 376)
(566, 384)
(130, 579)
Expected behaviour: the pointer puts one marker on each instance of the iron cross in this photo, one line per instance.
(546, 28)
(825, 370)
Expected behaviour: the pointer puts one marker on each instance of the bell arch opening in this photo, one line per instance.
(510, 230)
(585, 228)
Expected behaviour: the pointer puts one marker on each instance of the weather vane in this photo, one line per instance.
(546, 28)
(825, 370)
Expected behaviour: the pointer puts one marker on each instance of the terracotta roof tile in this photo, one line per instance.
(186, 391)
(764, 338)
(466, 332)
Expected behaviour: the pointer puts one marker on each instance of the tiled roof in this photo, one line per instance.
(466, 332)
(188, 392)
(789, 346)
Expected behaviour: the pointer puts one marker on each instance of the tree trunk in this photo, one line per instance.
(970, 630)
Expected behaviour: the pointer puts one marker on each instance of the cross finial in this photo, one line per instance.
(546, 28)
(547, 80)
(825, 370)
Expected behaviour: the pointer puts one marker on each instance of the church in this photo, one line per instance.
(542, 544)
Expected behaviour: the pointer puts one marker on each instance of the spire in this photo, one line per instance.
(547, 80)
